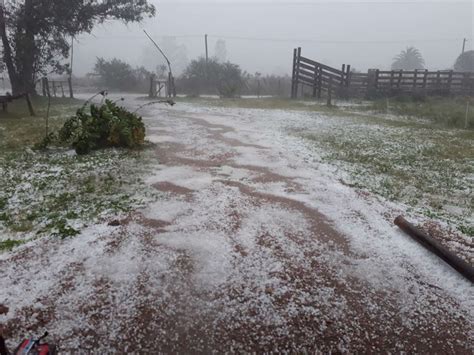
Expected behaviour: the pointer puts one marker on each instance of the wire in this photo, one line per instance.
(292, 40)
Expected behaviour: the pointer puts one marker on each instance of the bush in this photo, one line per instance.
(212, 77)
(106, 126)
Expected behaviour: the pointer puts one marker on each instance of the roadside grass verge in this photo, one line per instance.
(429, 169)
(56, 192)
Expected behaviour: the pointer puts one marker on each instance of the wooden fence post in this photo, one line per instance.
(71, 92)
(151, 92)
(320, 81)
(315, 82)
(297, 83)
(348, 75)
(450, 80)
(329, 102)
(414, 79)
(294, 73)
(400, 75)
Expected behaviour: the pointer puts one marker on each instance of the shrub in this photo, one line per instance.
(106, 126)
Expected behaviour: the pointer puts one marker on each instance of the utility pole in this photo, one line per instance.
(207, 51)
(464, 45)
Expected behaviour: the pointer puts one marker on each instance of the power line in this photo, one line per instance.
(293, 40)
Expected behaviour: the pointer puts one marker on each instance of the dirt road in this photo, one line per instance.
(253, 246)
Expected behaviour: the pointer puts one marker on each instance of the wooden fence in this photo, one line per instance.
(344, 83)
(55, 88)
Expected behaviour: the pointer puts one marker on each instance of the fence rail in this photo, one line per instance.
(323, 78)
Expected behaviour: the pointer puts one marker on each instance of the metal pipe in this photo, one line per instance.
(436, 248)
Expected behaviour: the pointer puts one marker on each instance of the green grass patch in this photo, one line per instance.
(264, 103)
(9, 244)
(19, 130)
(442, 111)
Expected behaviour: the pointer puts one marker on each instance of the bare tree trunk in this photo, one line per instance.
(20, 72)
(28, 55)
(7, 55)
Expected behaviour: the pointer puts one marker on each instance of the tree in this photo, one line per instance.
(118, 75)
(220, 51)
(35, 34)
(213, 77)
(465, 62)
(409, 59)
(230, 80)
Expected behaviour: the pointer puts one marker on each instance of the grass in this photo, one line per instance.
(428, 168)
(273, 103)
(19, 130)
(441, 111)
(55, 192)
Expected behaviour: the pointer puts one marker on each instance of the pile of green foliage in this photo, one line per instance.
(103, 126)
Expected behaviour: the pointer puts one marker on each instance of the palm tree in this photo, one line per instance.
(465, 62)
(409, 59)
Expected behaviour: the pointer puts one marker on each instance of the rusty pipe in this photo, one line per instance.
(436, 248)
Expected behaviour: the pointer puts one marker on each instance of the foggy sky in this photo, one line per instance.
(260, 35)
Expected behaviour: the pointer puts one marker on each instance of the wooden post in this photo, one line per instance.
(71, 92)
(151, 93)
(293, 78)
(450, 80)
(400, 75)
(297, 71)
(425, 78)
(329, 102)
(377, 72)
(414, 79)
(315, 82)
(348, 75)
(343, 72)
(391, 79)
(320, 81)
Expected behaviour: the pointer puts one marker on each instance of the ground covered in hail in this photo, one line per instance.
(264, 234)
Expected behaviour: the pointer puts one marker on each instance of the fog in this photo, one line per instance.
(260, 35)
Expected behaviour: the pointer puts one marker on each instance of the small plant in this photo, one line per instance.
(106, 126)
